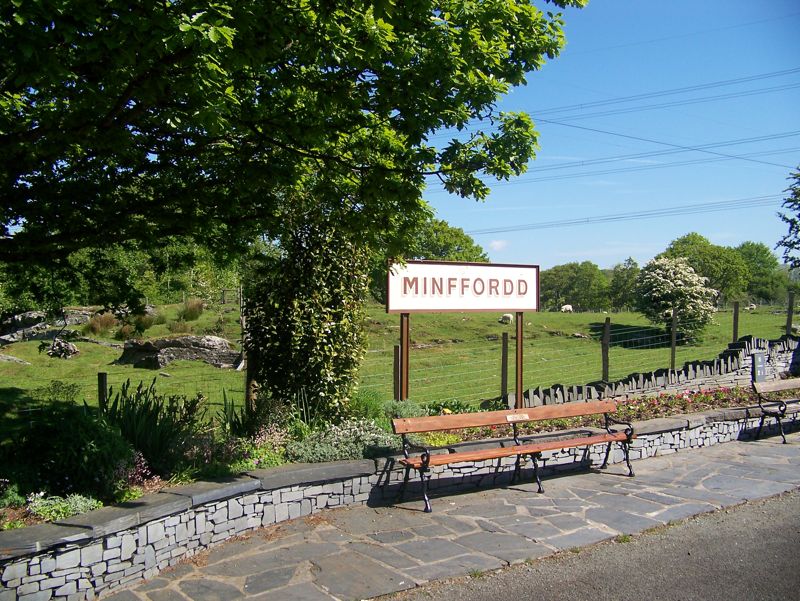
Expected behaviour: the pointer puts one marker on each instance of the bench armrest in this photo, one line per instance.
(781, 408)
(410, 446)
(610, 420)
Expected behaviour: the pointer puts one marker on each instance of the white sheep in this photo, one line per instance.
(506, 318)
(566, 308)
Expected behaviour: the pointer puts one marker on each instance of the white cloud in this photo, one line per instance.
(498, 244)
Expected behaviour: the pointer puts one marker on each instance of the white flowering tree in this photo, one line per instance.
(667, 285)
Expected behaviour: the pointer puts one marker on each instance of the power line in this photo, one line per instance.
(650, 107)
(709, 207)
(660, 93)
(652, 141)
(523, 180)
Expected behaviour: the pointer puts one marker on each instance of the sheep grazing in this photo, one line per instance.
(506, 318)
(566, 308)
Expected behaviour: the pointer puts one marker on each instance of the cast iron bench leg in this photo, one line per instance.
(605, 461)
(515, 477)
(534, 457)
(425, 476)
(626, 448)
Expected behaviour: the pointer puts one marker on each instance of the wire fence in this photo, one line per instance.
(469, 370)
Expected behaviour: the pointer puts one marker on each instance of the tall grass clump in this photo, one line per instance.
(160, 427)
(100, 324)
(192, 310)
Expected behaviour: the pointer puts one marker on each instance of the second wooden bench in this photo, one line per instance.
(423, 462)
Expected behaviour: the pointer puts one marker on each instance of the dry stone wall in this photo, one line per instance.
(731, 368)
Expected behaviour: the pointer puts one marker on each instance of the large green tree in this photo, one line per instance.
(133, 122)
(767, 281)
(622, 287)
(724, 268)
(791, 241)
(582, 285)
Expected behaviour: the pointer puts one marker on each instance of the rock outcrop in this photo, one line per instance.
(156, 354)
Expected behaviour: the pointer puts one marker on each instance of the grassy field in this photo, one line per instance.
(453, 356)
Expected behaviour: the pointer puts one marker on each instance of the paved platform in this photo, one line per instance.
(364, 552)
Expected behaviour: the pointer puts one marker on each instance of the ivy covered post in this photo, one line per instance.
(304, 309)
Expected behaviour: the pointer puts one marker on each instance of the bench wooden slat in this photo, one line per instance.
(524, 449)
(434, 423)
(776, 385)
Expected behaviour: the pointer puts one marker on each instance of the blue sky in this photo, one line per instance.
(617, 49)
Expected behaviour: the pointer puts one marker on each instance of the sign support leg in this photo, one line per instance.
(518, 400)
(404, 343)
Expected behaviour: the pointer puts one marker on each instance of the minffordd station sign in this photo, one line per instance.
(434, 287)
(440, 287)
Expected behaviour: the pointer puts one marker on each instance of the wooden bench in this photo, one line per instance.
(436, 423)
(776, 409)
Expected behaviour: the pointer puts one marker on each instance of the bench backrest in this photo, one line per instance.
(433, 423)
(776, 385)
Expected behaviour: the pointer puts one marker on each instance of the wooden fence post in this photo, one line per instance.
(504, 366)
(789, 314)
(605, 344)
(735, 321)
(673, 339)
(102, 388)
(396, 372)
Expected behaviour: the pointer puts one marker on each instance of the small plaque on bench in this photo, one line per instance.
(518, 417)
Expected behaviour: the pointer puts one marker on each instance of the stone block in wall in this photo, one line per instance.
(26, 541)
(312, 473)
(201, 493)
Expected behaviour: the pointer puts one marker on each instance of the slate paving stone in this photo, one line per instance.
(681, 512)
(245, 566)
(508, 547)
(696, 494)
(486, 510)
(566, 522)
(747, 489)
(208, 590)
(579, 538)
(431, 530)
(660, 498)
(392, 536)
(534, 530)
(179, 571)
(122, 596)
(166, 595)
(621, 521)
(383, 554)
(627, 503)
(432, 549)
(233, 549)
(153, 585)
(362, 578)
(455, 566)
(454, 524)
(268, 580)
(297, 592)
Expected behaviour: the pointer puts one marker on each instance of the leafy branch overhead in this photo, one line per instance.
(138, 121)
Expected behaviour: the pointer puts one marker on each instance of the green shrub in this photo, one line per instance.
(125, 332)
(59, 508)
(160, 427)
(448, 406)
(69, 448)
(100, 324)
(56, 391)
(438, 439)
(10, 495)
(142, 323)
(366, 404)
(179, 327)
(192, 309)
(352, 439)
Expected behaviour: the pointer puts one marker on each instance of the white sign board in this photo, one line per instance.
(438, 286)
